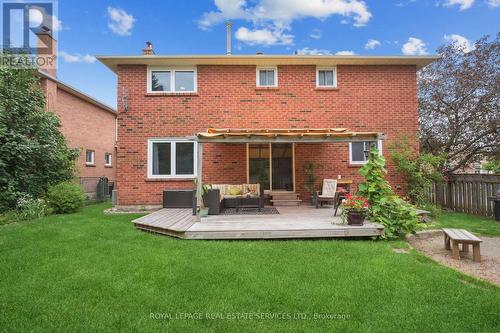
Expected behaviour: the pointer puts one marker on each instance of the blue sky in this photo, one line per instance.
(388, 27)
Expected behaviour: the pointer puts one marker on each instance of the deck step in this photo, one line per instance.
(286, 202)
(284, 195)
(285, 199)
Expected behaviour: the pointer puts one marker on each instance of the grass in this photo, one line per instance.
(89, 272)
(475, 224)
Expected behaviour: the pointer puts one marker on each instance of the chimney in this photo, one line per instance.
(148, 50)
(228, 37)
(47, 46)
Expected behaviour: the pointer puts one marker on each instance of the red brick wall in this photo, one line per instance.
(368, 98)
(85, 126)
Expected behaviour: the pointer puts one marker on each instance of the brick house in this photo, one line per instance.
(167, 103)
(86, 124)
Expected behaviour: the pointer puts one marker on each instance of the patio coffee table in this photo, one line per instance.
(250, 202)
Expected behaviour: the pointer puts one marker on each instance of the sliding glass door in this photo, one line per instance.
(258, 165)
(271, 165)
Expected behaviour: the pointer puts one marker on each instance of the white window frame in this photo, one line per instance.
(173, 142)
(267, 68)
(172, 71)
(92, 155)
(110, 159)
(334, 69)
(379, 147)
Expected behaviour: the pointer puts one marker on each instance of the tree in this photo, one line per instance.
(491, 166)
(33, 152)
(459, 98)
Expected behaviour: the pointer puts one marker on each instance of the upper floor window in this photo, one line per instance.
(326, 77)
(175, 80)
(359, 152)
(267, 77)
(89, 157)
(108, 159)
(171, 158)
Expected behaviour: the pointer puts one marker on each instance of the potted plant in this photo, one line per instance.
(310, 182)
(354, 209)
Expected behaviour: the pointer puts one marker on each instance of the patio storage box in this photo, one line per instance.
(179, 198)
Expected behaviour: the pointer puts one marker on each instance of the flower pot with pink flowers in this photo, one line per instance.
(354, 209)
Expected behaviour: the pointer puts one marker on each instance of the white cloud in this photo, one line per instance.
(463, 4)
(371, 44)
(494, 3)
(57, 24)
(121, 22)
(405, 3)
(76, 57)
(315, 33)
(345, 53)
(308, 51)
(414, 46)
(263, 36)
(460, 42)
(279, 14)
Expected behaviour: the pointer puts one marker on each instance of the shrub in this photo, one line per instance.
(420, 171)
(65, 197)
(396, 215)
(29, 208)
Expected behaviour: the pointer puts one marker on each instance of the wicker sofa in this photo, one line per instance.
(233, 196)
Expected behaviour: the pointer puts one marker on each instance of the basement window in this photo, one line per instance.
(359, 151)
(171, 158)
(267, 76)
(172, 80)
(326, 77)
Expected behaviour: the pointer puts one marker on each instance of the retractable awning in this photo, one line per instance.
(296, 135)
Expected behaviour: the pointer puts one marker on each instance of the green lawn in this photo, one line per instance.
(88, 271)
(475, 224)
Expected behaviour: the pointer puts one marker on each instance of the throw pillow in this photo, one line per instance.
(234, 190)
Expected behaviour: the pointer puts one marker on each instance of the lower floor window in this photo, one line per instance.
(359, 152)
(171, 158)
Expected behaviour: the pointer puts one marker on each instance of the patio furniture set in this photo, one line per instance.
(248, 196)
(240, 196)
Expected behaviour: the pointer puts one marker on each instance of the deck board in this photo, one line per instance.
(292, 222)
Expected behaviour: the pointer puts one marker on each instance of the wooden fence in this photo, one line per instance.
(467, 193)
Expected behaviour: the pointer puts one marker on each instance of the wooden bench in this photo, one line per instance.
(461, 236)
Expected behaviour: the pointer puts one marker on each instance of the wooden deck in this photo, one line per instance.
(292, 222)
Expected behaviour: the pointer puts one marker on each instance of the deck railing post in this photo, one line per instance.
(199, 183)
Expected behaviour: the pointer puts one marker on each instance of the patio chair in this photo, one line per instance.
(327, 192)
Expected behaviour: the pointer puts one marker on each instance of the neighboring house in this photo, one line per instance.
(167, 103)
(474, 168)
(86, 124)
